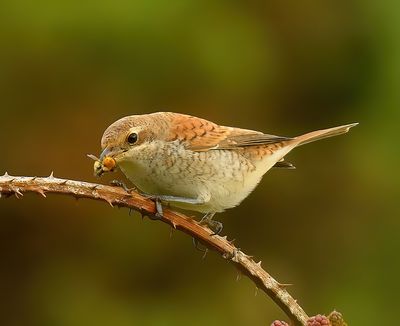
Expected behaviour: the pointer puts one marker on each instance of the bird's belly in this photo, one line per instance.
(224, 177)
(239, 178)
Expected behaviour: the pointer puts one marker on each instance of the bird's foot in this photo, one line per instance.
(157, 199)
(118, 183)
(159, 210)
(158, 215)
(215, 226)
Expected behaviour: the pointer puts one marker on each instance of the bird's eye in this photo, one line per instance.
(132, 138)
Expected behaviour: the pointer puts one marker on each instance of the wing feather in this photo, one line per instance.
(203, 135)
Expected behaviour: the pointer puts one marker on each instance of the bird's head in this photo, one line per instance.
(126, 138)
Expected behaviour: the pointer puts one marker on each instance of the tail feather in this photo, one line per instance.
(284, 165)
(321, 134)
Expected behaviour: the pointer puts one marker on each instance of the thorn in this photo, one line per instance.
(17, 192)
(51, 176)
(232, 241)
(259, 263)
(6, 175)
(41, 192)
(284, 285)
(224, 238)
(94, 187)
(63, 182)
(226, 255)
(34, 178)
(110, 202)
(248, 256)
(236, 255)
(256, 292)
(12, 180)
(173, 224)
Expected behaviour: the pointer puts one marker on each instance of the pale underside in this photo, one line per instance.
(213, 167)
(221, 179)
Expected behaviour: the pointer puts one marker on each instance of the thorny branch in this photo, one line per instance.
(116, 196)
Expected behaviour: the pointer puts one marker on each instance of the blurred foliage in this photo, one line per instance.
(70, 68)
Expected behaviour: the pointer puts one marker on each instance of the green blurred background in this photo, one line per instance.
(68, 69)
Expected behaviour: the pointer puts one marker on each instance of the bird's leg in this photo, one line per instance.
(118, 183)
(159, 210)
(159, 198)
(215, 226)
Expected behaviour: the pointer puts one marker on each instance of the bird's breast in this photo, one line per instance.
(224, 176)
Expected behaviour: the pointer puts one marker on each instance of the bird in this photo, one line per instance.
(195, 164)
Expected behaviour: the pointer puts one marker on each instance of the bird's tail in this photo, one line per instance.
(321, 134)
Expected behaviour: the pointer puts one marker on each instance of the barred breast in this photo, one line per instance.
(223, 178)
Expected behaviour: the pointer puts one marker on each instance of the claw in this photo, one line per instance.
(234, 255)
(158, 215)
(117, 183)
(159, 209)
(215, 226)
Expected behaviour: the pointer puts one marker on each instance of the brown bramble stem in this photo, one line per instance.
(116, 196)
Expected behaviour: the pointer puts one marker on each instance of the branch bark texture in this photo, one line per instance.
(116, 196)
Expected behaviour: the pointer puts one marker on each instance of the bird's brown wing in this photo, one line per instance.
(202, 135)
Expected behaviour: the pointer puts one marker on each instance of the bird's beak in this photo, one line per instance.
(106, 151)
(110, 152)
